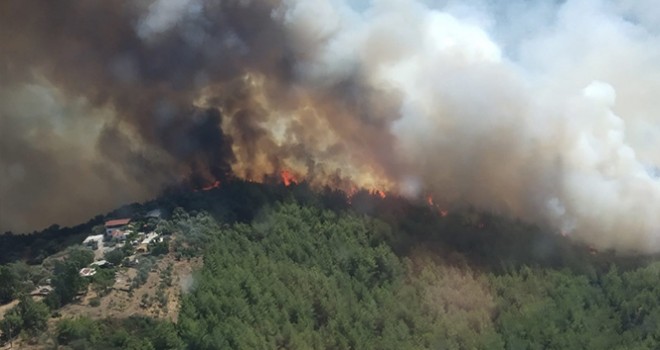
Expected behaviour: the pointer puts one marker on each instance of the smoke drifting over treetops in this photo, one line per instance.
(544, 111)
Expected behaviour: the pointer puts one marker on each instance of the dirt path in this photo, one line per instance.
(6, 307)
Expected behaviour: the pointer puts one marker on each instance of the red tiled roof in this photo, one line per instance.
(118, 222)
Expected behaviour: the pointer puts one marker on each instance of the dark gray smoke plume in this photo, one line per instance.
(545, 111)
(98, 100)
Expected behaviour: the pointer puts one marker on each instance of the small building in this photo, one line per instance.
(118, 235)
(93, 241)
(150, 237)
(117, 224)
(104, 264)
(87, 272)
(94, 238)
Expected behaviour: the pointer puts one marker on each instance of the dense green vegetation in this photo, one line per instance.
(300, 277)
(28, 318)
(19, 278)
(134, 333)
(66, 281)
(295, 269)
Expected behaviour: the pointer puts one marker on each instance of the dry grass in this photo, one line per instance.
(120, 303)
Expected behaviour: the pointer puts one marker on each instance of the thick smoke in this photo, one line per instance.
(538, 110)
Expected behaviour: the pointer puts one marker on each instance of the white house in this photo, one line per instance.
(116, 225)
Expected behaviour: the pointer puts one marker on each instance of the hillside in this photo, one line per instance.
(330, 174)
(271, 266)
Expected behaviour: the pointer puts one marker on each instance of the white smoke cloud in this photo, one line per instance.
(546, 112)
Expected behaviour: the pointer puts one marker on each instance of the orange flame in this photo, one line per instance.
(287, 178)
(350, 193)
(379, 193)
(215, 184)
(443, 212)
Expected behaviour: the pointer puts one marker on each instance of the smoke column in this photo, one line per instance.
(543, 111)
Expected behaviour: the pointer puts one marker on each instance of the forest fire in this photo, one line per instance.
(287, 178)
(443, 212)
(290, 91)
(332, 173)
(214, 184)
